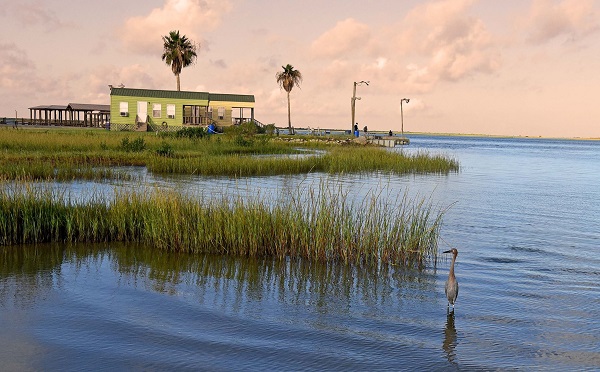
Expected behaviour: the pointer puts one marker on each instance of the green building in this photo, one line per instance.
(159, 110)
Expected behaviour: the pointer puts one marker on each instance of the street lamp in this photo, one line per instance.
(402, 113)
(353, 102)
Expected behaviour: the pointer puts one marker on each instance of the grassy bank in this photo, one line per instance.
(319, 225)
(78, 154)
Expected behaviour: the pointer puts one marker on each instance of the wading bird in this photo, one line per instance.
(451, 287)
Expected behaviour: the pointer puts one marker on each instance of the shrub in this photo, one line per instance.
(191, 133)
(137, 145)
(243, 142)
(166, 150)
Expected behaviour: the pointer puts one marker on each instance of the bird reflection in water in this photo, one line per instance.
(450, 339)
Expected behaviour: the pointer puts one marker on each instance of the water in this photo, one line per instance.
(523, 214)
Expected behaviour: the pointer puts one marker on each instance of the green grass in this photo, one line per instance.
(315, 225)
(79, 154)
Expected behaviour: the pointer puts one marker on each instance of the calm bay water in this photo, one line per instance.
(523, 213)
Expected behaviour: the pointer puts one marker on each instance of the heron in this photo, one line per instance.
(451, 287)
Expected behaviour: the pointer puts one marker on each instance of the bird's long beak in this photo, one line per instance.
(449, 251)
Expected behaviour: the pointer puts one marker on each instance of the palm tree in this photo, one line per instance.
(179, 52)
(287, 79)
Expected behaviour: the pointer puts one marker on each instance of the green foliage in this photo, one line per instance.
(165, 150)
(190, 132)
(248, 129)
(269, 129)
(239, 140)
(137, 145)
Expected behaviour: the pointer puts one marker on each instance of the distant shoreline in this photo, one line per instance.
(502, 136)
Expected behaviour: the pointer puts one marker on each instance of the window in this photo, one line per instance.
(221, 113)
(124, 108)
(156, 110)
(171, 111)
(192, 114)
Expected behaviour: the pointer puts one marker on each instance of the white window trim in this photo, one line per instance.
(170, 111)
(124, 108)
(156, 107)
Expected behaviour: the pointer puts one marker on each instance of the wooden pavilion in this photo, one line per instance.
(74, 114)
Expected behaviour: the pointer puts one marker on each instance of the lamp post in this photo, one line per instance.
(353, 102)
(402, 113)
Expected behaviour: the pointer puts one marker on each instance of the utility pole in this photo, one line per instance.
(402, 114)
(353, 102)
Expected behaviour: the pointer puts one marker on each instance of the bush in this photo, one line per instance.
(268, 129)
(137, 145)
(191, 133)
(243, 142)
(246, 129)
(165, 150)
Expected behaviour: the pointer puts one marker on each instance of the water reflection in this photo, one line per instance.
(450, 339)
(28, 272)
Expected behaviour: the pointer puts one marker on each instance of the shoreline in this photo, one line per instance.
(378, 132)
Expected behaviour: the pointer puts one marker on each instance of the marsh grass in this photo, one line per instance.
(346, 159)
(315, 225)
(76, 154)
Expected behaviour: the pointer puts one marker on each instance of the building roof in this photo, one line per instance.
(153, 93)
(231, 97)
(88, 107)
(74, 107)
(49, 107)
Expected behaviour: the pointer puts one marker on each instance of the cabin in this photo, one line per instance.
(168, 110)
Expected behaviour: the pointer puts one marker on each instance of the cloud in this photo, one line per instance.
(436, 41)
(142, 34)
(132, 76)
(18, 74)
(35, 13)
(22, 86)
(347, 36)
(220, 63)
(441, 41)
(548, 20)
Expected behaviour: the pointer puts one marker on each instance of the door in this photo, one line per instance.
(142, 111)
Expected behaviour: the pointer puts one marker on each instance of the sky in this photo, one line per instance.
(511, 67)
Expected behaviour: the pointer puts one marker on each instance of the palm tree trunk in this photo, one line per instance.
(289, 114)
(178, 85)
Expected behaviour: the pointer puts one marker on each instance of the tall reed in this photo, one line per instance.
(316, 225)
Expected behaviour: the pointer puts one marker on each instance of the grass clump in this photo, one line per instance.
(316, 225)
(334, 161)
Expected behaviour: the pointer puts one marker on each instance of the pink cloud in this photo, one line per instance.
(347, 36)
(439, 41)
(22, 86)
(36, 13)
(142, 34)
(548, 19)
